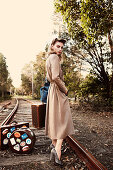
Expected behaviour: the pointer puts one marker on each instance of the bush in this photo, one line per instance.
(92, 90)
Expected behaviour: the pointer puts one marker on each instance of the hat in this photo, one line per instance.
(59, 40)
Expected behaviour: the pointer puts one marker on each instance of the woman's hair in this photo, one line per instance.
(50, 50)
(58, 40)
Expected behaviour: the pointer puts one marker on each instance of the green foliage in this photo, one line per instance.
(3, 70)
(96, 18)
(70, 11)
(26, 84)
(5, 80)
(71, 77)
(26, 78)
(93, 91)
(39, 73)
(86, 18)
(88, 23)
(35, 70)
(90, 86)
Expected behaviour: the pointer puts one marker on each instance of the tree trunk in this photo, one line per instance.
(111, 48)
(2, 93)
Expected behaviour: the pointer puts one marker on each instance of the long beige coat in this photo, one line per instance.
(58, 122)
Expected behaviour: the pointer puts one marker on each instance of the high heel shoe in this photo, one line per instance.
(54, 156)
(52, 146)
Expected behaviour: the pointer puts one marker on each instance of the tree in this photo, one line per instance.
(95, 55)
(70, 11)
(26, 84)
(34, 73)
(39, 73)
(3, 74)
(71, 75)
(91, 86)
(95, 52)
(86, 18)
(98, 59)
(9, 84)
(26, 78)
(97, 21)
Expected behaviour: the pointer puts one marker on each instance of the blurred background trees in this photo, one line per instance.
(35, 73)
(89, 26)
(5, 79)
(33, 76)
(26, 78)
(88, 53)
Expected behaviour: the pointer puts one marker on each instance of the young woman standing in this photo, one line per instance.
(58, 116)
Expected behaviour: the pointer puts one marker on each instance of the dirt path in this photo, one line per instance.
(94, 130)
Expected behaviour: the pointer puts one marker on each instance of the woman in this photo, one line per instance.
(58, 116)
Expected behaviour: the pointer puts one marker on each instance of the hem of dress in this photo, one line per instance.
(57, 138)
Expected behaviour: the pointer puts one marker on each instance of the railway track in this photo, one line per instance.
(7, 112)
(70, 157)
(4, 106)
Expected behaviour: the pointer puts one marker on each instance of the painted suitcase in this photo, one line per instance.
(7, 130)
(22, 140)
(38, 115)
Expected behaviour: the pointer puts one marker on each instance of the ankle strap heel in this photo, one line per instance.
(54, 156)
(51, 156)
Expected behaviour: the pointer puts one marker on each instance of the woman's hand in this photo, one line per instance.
(66, 93)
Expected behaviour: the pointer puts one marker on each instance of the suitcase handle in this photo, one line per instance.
(14, 122)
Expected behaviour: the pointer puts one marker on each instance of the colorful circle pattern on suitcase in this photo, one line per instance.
(6, 135)
(22, 140)
(7, 130)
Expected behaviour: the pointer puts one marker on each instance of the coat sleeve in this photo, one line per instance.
(55, 69)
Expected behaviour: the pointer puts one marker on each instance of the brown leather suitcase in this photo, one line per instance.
(7, 130)
(38, 115)
(22, 140)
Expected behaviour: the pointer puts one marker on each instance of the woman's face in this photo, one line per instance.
(58, 48)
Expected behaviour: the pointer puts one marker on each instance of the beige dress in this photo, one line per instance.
(58, 122)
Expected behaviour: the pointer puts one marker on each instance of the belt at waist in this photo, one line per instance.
(52, 82)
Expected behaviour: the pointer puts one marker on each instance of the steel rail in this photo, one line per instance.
(27, 100)
(4, 106)
(91, 162)
(8, 118)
